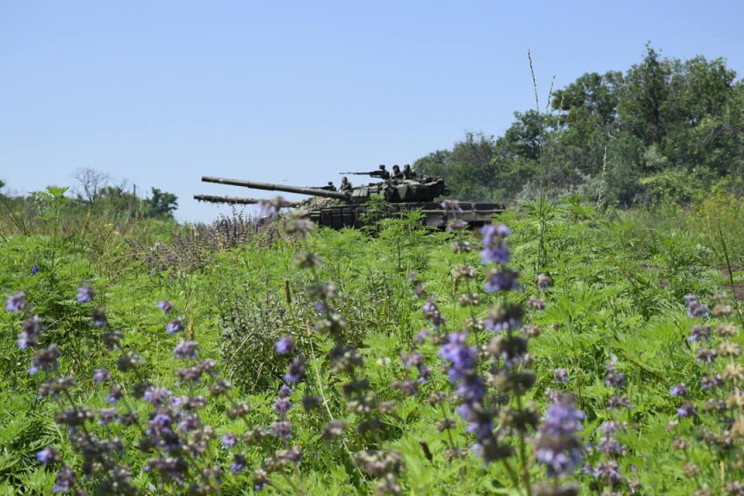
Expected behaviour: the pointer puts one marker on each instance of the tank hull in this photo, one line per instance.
(433, 215)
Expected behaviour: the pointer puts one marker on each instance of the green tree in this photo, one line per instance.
(645, 94)
(587, 120)
(161, 204)
(115, 199)
(433, 164)
(472, 161)
(700, 116)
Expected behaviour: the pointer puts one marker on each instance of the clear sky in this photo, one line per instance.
(163, 92)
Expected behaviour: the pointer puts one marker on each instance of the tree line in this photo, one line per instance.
(666, 130)
(96, 192)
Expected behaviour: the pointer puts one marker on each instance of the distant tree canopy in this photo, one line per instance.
(95, 192)
(653, 134)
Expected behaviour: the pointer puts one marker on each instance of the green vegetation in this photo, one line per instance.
(666, 130)
(614, 328)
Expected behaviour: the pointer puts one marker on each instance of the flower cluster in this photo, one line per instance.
(718, 418)
(558, 445)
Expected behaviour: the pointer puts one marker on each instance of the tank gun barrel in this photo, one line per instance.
(236, 200)
(277, 187)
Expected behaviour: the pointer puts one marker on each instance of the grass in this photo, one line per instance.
(615, 306)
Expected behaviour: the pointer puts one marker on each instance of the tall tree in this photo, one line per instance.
(645, 94)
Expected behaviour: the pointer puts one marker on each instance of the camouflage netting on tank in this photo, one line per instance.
(318, 202)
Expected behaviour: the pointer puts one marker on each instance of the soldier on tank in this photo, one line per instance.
(345, 184)
(397, 174)
(407, 172)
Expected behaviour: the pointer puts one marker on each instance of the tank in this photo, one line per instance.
(346, 208)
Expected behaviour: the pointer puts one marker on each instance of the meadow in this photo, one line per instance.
(561, 350)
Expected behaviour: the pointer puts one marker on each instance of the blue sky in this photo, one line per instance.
(161, 93)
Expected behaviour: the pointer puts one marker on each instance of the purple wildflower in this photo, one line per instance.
(706, 355)
(560, 375)
(557, 445)
(66, 478)
(461, 357)
(494, 230)
(678, 390)
(238, 463)
(285, 345)
(32, 328)
(45, 359)
(607, 470)
(284, 391)
(504, 318)
(85, 294)
(156, 395)
(185, 350)
(618, 401)
(498, 253)
(687, 410)
(165, 305)
(99, 317)
(537, 304)
(260, 479)
(431, 312)
(296, 370)
(174, 326)
(189, 423)
(695, 308)
(607, 443)
(107, 415)
(229, 439)
(159, 424)
(282, 405)
(613, 378)
(101, 375)
(711, 382)
(471, 389)
(34, 269)
(16, 302)
(270, 208)
(698, 333)
(421, 336)
(115, 394)
(495, 249)
(408, 387)
(48, 455)
(543, 281)
(501, 280)
(282, 429)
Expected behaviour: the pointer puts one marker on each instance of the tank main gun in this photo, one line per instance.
(338, 195)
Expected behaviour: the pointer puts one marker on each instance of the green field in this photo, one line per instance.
(405, 375)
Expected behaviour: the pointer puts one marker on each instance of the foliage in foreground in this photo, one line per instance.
(259, 373)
